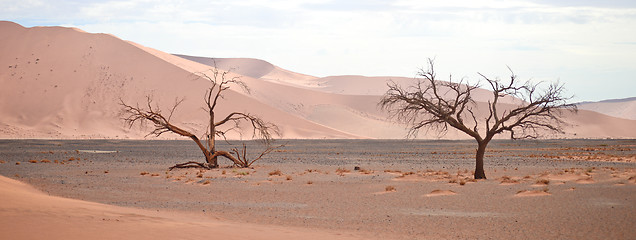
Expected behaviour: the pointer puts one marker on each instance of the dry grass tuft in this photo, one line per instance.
(2, 161)
(289, 177)
(45, 161)
(390, 189)
(276, 173)
(144, 173)
(206, 182)
(17, 163)
(507, 179)
(33, 161)
(342, 171)
(462, 182)
(543, 181)
(154, 175)
(310, 182)
(365, 171)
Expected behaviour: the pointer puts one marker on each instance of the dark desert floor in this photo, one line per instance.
(548, 189)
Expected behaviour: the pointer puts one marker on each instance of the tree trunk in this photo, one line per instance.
(213, 161)
(479, 160)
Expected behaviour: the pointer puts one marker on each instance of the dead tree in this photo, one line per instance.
(436, 105)
(220, 82)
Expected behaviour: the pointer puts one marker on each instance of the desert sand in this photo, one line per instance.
(64, 83)
(581, 189)
(27, 213)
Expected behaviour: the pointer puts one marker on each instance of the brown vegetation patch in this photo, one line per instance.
(342, 171)
(506, 180)
(276, 173)
(543, 182)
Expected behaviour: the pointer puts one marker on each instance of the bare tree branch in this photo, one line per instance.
(436, 105)
(219, 82)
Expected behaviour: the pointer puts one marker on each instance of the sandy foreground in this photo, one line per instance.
(311, 190)
(27, 213)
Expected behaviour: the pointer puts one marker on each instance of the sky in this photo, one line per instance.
(588, 45)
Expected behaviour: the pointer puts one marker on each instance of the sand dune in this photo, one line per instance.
(30, 214)
(620, 108)
(62, 83)
(65, 83)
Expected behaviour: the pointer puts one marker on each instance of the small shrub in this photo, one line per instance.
(389, 188)
(206, 182)
(507, 179)
(462, 182)
(543, 181)
(144, 173)
(289, 178)
(154, 174)
(310, 182)
(17, 163)
(342, 171)
(45, 161)
(276, 172)
(33, 161)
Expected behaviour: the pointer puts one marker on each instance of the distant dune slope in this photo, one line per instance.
(65, 83)
(620, 108)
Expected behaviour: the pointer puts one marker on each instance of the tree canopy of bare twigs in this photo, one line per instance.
(219, 82)
(438, 105)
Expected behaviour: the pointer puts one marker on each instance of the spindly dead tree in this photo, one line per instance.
(220, 82)
(437, 105)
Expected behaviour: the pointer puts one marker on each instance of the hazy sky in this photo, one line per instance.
(589, 45)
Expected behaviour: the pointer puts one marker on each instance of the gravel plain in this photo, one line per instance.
(402, 189)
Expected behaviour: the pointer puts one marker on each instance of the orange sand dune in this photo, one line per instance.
(26, 213)
(62, 83)
(65, 83)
